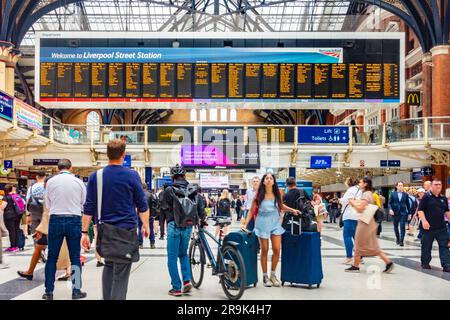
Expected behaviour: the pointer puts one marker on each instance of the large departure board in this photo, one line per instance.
(81, 80)
(115, 80)
(48, 79)
(98, 80)
(305, 81)
(167, 80)
(184, 80)
(133, 80)
(253, 80)
(219, 80)
(201, 80)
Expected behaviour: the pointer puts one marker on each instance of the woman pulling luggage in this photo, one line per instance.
(266, 208)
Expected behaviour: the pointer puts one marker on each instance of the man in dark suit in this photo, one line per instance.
(399, 208)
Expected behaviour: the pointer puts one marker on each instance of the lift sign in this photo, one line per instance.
(323, 135)
(320, 162)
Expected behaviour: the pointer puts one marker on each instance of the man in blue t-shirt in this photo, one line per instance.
(123, 199)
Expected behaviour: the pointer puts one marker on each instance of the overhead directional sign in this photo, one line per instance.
(389, 163)
(323, 134)
(320, 162)
(6, 106)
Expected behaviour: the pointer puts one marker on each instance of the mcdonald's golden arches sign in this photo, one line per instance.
(413, 98)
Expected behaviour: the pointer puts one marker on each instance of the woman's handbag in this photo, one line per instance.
(113, 243)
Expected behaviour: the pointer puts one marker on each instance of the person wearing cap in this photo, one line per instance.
(178, 237)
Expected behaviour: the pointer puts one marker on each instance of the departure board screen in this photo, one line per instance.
(339, 81)
(115, 80)
(98, 80)
(304, 80)
(253, 80)
(374, 83)
(150, 80)
(64, 80)
(81, 80)
(133, 80)
(201, 80)
(167, 80)
(355, 80)
(219, 80)
(48, 79)
(390, 81)
(321, 81)
(270, 80)
(287, 80)
(236, 80)
(184, 80)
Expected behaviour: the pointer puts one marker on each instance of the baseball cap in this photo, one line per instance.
(421, 190)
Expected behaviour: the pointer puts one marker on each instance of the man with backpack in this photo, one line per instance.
(184, 207)
(292, 199)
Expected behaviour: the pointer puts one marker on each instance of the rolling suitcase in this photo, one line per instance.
(301, 260)
(248, 247)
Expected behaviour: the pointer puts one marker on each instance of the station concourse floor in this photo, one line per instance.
(150, 280)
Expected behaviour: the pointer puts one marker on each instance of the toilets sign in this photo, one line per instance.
(323, 135)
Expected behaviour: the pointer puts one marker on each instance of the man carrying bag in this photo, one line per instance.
(114, 194)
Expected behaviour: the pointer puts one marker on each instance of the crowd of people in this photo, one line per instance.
(117, 212)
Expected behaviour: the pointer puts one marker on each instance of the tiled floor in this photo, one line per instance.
(150, 279)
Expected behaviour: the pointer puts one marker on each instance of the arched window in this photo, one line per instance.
(93, 124)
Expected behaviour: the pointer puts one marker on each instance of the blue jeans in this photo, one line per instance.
(349, 235)
(177, 248)
(400, 220)
(152, 231)
(60, 227)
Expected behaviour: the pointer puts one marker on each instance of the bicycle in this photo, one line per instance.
(229, 265)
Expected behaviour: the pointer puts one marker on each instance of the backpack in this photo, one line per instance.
(224, 206)
(185, 205)
(307, 219)
(154, 205)
(19, 204)
(35, 204)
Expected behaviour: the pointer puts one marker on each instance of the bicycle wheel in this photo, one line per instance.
(233, 279)
(197, 262)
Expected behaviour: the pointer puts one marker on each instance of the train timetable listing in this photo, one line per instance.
(269, 80)
(149, 80)
(201, 80)
(287, 80)
(48, 80)
(167, 80)
(133, 80)
(64, 80)
(390, 81)
(253, 80)
(305, 79)
(355, 80)
(339, 81)
(218, 80)
(184, 80)
(236, 80)
(321, 80)
(98, 80)
(81, 80)
(374, 84)
(115, 80)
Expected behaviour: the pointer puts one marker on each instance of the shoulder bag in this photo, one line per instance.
(113, 243)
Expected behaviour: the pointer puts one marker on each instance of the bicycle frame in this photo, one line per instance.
(206, 247)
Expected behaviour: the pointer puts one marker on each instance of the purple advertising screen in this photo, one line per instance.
(229, 156)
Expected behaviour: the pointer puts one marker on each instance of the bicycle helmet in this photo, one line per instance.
(178, 170)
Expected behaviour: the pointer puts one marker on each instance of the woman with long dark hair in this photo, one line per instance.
(268, 204)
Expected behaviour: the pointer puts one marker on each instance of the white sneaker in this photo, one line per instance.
(274, 280)
(3, 266)
(267, 282)
(348, 261)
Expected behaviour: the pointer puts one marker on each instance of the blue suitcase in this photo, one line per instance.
(248, 247)
(301, 260)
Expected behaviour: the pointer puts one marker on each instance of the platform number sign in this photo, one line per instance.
(8, 164)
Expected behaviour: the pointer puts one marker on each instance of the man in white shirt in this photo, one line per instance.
(249, 196)
(64, 197)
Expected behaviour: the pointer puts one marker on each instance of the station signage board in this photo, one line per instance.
(6, 106)
(29, 116)
(7, 164)
(160, 182)
(209, 181)
(427, 171)
(323, 135)
(45, 162)
(390, 163)
(171, 134)
(416, 176)
(320, 162)
(227, 135)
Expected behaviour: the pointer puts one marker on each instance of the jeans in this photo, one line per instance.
(115, 280)
(441, 236)
(400, 220)
(177, 248)
(349, 235)
(13, 226)
(333, 214)
(61, 227)
(152, 231)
